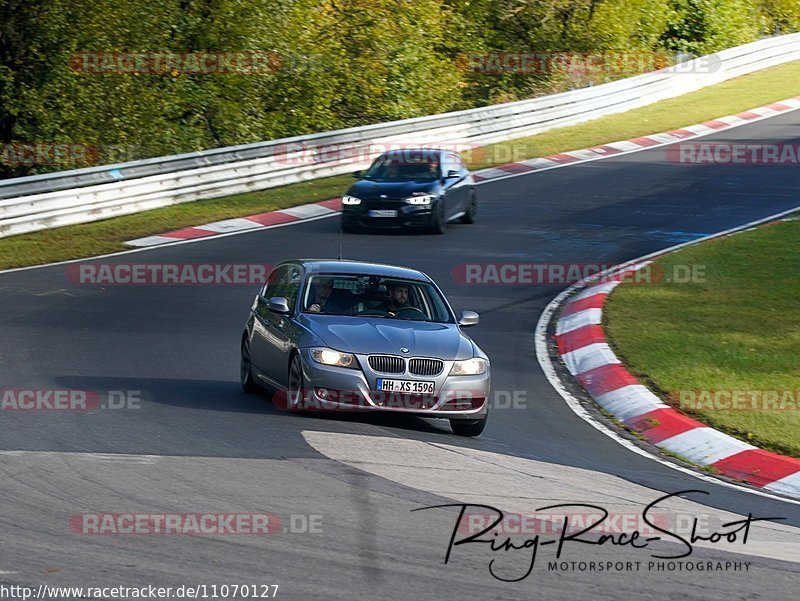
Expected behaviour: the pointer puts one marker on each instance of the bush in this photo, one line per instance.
(332, 64)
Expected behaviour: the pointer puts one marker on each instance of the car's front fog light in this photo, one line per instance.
(328, 356)
(470, 367)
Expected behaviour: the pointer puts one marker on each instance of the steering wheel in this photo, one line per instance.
(412, 313)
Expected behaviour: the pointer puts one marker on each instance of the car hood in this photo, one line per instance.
(368, 189)
(374, 335)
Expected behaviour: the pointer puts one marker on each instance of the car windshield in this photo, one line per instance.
(374, 296)
(409, 165)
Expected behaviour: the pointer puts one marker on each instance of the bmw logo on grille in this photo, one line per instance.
(404, 349)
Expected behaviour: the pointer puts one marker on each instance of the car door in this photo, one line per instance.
(457, 188)
(275, 332)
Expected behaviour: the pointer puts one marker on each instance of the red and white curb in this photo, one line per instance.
(316, 210)
(587, 356)
(328, 208)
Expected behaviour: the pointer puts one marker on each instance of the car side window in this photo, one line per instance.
(452, 163)
(285, 282)
(271, 279)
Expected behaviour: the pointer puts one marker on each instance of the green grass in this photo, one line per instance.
(107, 236)
(100, 237)
(730, 97)
(738, 330)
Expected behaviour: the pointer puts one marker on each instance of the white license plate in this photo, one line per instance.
(407, 386)
(382, 213)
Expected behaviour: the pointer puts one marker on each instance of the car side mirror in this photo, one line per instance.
(278, 304)
(468, 318)
(358, 174)
(453, 174)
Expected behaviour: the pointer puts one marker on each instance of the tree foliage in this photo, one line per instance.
(337, 63)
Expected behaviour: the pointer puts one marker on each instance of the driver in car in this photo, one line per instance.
(398, 298)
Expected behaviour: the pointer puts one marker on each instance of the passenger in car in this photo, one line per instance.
(327, 299)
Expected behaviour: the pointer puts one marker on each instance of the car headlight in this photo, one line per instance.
(422, 199)
(470, 367)
(328, 356)
(350, 200)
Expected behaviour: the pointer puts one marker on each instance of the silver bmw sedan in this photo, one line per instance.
(352, 336)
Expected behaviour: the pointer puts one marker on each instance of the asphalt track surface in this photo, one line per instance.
(197, 443)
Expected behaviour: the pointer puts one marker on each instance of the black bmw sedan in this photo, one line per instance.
(420, 188)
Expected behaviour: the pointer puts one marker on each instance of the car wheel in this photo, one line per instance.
(294, 393)
(463, 427)
(472, 209)
(246, 369)
(439, 219)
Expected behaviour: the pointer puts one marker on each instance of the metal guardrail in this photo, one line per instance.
(39, 202)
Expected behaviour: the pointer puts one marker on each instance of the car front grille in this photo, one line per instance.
(387, 364)
(385, 203)
(426, 367)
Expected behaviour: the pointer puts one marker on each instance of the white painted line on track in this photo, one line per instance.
(629, 401)
(309, 210)
(237, 224)
(581, 319)
(625, 146)
(704, 446)
(589, 357)
(151, 241)
(787, 485)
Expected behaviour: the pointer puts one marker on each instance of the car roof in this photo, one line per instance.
(359, 267)
(422, 149)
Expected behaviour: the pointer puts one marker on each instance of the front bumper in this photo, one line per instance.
(407, 215)
(344, 389)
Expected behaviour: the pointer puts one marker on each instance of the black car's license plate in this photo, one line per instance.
(382, 213)
(407, 386)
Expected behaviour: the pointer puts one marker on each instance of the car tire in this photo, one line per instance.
(439, 219)
(472, 209)
(296, 383)
(246, 369)
(463, 427)
(351, 229)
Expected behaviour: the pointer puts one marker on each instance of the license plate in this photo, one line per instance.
(408, 386)
(382, 213)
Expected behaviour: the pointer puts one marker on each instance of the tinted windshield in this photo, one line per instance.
(416, 165)
(374, 296)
